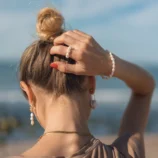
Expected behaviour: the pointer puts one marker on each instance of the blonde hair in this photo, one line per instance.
(35, 61)
(49, 23)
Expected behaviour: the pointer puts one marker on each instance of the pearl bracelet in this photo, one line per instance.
(113, 67)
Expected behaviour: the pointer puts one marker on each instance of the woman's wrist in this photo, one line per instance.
(111, 64)
(119, 67)
(106, 67)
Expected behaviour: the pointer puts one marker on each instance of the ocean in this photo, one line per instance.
(112, 97)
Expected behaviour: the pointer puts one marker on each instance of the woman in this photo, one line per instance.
(57, 76)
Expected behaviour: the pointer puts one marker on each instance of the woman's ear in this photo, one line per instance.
(27, 89)
(92, 84)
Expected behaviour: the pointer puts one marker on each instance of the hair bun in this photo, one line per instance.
(49, 23)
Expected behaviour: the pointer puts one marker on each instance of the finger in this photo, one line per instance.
(76, 36)
(64, 67)
(81, 33)
(62, 50)
(85, 37)
(67, 40)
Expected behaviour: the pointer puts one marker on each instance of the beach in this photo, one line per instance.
(151, 145)
(112, 97)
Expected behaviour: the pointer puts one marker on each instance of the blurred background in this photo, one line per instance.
(126, 27)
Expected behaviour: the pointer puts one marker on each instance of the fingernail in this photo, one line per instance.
(53, 65)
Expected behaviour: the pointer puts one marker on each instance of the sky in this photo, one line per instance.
(128, 28)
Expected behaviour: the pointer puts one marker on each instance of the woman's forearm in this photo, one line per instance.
(138, 79)
(142, 85)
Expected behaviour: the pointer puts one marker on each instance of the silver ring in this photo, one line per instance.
(69, 49)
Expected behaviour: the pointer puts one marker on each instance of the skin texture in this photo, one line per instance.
(70, 113)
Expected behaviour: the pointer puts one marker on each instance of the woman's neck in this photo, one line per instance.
(68, 114)
(64, 114)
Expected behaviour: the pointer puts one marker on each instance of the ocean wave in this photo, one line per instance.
(102, 96)
(118, 95)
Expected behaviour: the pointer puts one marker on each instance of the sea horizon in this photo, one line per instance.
(112, 97)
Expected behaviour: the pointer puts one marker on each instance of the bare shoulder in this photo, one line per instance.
(15, 157)
(32, 151)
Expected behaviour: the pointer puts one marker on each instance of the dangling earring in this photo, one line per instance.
(93, 100)
(31, 115)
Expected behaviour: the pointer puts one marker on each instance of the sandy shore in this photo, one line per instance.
(151, 145)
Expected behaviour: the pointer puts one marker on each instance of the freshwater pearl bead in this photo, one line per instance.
(32, 123)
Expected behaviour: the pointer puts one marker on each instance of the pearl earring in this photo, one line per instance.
(93, 100)
(31, 115)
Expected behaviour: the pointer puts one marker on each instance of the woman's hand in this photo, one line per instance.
(91, 59)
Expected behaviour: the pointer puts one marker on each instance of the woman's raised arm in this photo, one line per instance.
(136, 114)
(142, 85)
(91, 59)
